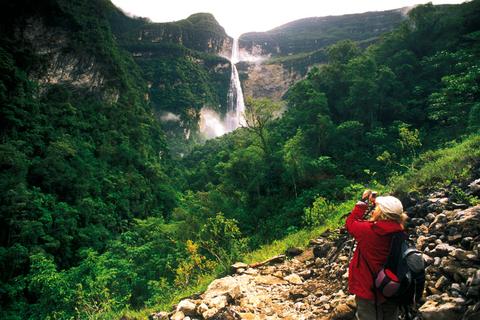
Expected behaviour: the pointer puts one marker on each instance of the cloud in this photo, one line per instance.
(168, 116)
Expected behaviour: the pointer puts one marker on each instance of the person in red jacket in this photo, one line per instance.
(373, 238)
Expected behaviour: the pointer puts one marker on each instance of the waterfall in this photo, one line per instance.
(236, 106)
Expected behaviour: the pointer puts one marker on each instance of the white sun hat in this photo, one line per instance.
(389, 204)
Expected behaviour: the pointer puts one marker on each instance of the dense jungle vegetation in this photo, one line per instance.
(96, 217)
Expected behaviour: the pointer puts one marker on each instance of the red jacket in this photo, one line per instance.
(373, 245)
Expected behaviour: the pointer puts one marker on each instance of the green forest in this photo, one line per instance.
(98, 219)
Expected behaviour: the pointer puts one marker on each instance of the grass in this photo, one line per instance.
(301, 237)
(440, 168)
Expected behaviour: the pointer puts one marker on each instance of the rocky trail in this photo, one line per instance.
(312, 283)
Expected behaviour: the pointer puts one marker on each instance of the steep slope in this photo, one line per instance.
(313, 285)
(81, 152)
(280, 57)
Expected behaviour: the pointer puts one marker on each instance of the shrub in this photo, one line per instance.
(318, 212)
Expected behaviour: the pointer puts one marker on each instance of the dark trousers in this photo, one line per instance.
(385, 311)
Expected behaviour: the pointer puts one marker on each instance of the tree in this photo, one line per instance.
(294, 158)
(259, 114)
(221, 238)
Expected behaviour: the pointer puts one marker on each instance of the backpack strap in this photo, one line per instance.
(395, 251)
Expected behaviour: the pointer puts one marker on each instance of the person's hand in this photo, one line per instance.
(372, 198)
(367, 194)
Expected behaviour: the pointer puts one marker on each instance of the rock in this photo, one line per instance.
(294, 279)
(269, 280)
(455, 287)
(467, 243)
(454, 205)
(210, 313)
(293, 251)
(179, 315)
(441, 250)
(320, 262)
(433, 310)
(268, 270)
(321, 251)
(297, 293)
(306, 274)
(441, 282)
(459, 254)
(202, 308)
(467, 222)
(251, 271)
(474, 187)
(228, 285)
(188, 307)
(454, 238)
(428, 260)
(218, 302)
(343, 312)
(162, 315)
(239, 265)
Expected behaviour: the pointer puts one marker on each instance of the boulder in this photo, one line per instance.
(320, 251)
(228, 285)
(188, 307)
(441, 250)
(239, 265)
(343, 312)
(474, 187)
(467, 222)
(293, 252)
(433, 310)
(294, 279)
(179, 315)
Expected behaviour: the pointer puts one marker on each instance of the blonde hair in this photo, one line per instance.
(398, 217)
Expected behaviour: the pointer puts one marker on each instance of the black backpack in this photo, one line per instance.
(402, 278)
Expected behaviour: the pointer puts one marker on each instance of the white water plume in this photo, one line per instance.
(236, 106)
(211, 125)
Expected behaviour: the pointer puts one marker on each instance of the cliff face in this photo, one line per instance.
(199, 32)
(184, 65)
(279, 57)
(267, 79)
(58, 49)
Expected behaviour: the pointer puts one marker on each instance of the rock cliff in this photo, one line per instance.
(276, 59)
(313, 284)
(180, 66)
(199, 32)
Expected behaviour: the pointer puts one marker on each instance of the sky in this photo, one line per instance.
(243, 16)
